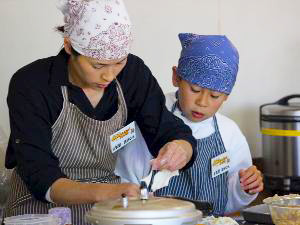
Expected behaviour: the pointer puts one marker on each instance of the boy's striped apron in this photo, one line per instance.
(82, 145)
(196, 182)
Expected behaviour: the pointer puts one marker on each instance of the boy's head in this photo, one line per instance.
(206, 74)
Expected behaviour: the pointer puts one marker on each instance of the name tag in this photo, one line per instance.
(220, 164)
(122, 137)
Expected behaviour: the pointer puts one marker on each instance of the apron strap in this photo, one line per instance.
(218, 131)
(64, 90)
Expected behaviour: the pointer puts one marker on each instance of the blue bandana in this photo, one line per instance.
(209, 61)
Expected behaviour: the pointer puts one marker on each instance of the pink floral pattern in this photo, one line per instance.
(99, 29)
(110, 44)
(77, 8)
(108, 9)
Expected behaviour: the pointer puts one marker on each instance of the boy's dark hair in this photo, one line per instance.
(61, 29)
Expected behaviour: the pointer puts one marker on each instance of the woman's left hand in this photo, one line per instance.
(173, 156)
(251, 180)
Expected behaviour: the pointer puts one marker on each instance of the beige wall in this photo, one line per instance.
(266, 33)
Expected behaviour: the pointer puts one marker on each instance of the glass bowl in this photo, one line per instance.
(285, 210)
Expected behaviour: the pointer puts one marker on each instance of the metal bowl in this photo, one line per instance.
(285, 210)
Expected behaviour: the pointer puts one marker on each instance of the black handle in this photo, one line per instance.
(205, 207)
(285, 100)
(282, 101)
(260, 112)
(151, 180)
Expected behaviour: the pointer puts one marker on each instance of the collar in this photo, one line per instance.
(59, 70)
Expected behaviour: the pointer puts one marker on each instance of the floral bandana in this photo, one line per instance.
(99, 29)
(209, 61)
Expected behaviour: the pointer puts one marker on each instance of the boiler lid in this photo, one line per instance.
(293, 109)
(154, 207)
(283, 107)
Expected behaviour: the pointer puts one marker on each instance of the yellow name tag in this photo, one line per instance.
(220, 164)
(122, 137)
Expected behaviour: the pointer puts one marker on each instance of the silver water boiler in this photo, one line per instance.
(280, 127)
(153, 211)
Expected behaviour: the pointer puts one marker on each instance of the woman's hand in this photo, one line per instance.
(251, 180)
(71, 192)
(114, 191)
(173, 156)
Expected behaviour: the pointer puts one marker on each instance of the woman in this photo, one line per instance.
(64, 109)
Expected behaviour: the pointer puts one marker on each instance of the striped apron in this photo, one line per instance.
(196, 183)
(82, 145)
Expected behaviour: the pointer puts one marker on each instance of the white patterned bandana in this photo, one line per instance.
(99, 29)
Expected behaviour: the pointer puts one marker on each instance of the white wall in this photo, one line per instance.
(266, 33)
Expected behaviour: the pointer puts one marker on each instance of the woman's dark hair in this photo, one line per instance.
(61, 29)
(74, 52)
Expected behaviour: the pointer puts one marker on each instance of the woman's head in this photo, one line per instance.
(99, 29)
(97, 35)
(87, 72)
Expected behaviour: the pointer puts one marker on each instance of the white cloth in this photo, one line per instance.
(161, 179)
(236, 146)
(98, 29)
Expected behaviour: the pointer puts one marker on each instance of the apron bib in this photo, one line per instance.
(196, 182)
(82, 145)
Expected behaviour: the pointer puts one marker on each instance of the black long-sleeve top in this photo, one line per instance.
(35, 101)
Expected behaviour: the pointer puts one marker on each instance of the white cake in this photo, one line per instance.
(218, 221)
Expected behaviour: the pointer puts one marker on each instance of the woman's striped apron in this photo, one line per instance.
(196, 182)
(82, 145)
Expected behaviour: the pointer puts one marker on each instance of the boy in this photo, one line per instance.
(222, 173)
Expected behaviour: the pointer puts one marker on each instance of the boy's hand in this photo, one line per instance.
(173, 156)
(251, 180)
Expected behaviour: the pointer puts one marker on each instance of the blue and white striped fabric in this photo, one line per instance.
(196, 182)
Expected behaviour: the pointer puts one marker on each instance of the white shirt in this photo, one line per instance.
(236, 146)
